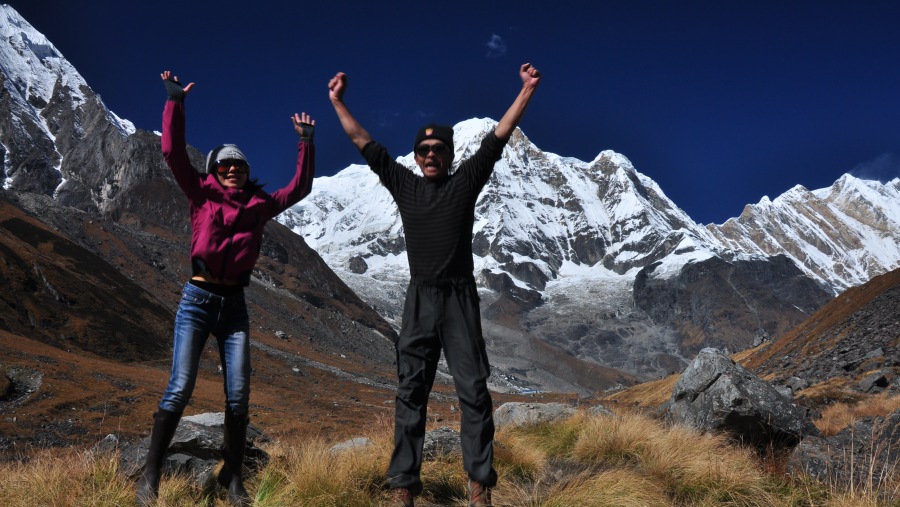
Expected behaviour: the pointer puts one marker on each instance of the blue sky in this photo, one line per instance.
(720, 102)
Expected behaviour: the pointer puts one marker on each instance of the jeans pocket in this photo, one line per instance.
(191, 298)
(193, 295)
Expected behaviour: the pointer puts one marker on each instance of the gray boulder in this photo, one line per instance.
(600, 410)
(195, 450)
(876, 382)
(716, 394)
(796, 384)
(518, 414)
(441, 442)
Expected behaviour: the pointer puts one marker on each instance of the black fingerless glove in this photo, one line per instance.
(174, 90)
(308, 131)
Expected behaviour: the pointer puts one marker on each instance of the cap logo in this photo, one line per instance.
(428, 132)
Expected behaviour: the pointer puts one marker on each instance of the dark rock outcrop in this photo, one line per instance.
(729, 305)
(195, 449)
(716, 394)
(358, 265)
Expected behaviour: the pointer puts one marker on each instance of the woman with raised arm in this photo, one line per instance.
(228, 211)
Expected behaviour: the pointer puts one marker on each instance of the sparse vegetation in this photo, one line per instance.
(587, 460)
(64, 478)
(838, 416)
(647, 394)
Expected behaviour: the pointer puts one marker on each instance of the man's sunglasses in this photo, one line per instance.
(224, 166)
(438, 149)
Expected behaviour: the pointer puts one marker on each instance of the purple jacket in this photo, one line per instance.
(227, 224)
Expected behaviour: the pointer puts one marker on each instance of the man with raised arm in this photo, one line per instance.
(441, 308)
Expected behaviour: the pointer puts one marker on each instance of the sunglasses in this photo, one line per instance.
(224, 166)
(422, 150)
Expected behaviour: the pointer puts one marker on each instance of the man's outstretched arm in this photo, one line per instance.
(336, 88)
(531, 77)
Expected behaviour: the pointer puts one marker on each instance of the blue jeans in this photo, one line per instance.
(200, 314)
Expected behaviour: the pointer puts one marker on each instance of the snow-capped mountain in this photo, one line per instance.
(39, 69)
(57, 138)
(593, 259)
(842, 235)
(47, 109)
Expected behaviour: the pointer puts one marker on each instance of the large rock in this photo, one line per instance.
(716, 394)
(518, 414)
(441, 442)
(864, 454)
(196, 449)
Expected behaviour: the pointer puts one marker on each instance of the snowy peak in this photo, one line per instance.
(842, 235)
(33, 61)
(553, 210)
(50, 109)
(866, 201)
(36, 67)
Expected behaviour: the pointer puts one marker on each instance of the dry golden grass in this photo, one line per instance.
(309, 475)
(639, 454)
(838, 416)
(62, 479)
(647, 394)
(587, 460)
(608, 488)
(517, 460)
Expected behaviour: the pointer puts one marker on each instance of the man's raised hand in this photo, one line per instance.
(337, 86)
(530, 75)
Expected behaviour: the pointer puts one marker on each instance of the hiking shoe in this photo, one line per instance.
(402, 497)
(479, 495)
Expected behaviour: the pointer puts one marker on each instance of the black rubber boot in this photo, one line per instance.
(233, 456)
(164, 426)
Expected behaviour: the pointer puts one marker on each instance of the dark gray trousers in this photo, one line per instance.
(442, 315)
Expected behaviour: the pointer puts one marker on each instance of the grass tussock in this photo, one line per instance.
(309, 473)
(587, 460)
(648, 394)
(838, 416)
(63, 479)
(647, 463)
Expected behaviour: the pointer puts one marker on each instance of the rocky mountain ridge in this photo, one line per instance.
(842, 235)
